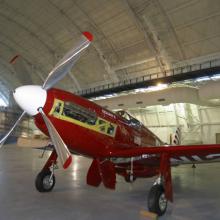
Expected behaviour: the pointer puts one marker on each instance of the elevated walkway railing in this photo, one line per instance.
(207, 68)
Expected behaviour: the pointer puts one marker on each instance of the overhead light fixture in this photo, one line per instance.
(216, 76)
(158, 87)
(200, 79)
(162, 85)
(140, 90)
(214, 100)
(104, 97)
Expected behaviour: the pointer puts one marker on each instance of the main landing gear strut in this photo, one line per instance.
(130, 178)
(157, 201)
(161, 191)
(45, 180)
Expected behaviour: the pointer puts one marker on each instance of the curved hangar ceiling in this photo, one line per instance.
(132, 38)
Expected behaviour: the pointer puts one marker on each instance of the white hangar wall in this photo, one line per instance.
(198, 124)
(210, 127)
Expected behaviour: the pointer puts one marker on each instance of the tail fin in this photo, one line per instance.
(175, 138)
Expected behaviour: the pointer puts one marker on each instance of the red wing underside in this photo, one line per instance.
(165, 154)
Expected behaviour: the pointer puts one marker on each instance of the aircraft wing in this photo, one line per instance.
(172, 151)
(165, 153)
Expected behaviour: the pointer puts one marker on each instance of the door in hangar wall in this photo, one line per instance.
(217, 136)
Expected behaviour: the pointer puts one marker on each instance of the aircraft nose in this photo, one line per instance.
(30, 98)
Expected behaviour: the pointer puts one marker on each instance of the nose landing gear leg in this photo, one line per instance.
(45, 180)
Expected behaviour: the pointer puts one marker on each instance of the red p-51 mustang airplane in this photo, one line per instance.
(117, 142)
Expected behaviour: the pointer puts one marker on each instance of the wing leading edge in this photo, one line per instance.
(173, 151)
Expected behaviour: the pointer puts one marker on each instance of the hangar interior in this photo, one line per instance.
(157, 59)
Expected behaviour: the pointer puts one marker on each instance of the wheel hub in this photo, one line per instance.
(47, 182)
(162, 202)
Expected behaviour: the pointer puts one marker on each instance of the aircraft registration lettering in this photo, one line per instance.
(83, 117)
(108, 113)
(145, 156)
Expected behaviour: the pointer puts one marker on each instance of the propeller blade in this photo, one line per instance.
(62, 151)
(66, 63)
(2, 141)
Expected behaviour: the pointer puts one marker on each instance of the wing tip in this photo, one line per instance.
(67, 162)
(88, 35)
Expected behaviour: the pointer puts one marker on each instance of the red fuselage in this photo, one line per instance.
(92, 139)
(93, 131)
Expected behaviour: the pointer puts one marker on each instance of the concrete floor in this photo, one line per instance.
(196, 193)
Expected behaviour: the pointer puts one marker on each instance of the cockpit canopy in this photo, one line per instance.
(130, 119)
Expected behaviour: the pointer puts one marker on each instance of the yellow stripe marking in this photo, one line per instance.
(148, 215)
(101, 125)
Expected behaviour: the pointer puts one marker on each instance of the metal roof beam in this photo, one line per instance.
(148, 35)
(108, 69)
(131, 64)
(32, 34)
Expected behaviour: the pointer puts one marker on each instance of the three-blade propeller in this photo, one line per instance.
(66, 63)
(2, 141)
(62, 151)
(33, 98)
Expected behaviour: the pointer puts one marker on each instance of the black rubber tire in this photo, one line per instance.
(40, 181)
(153, 200)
